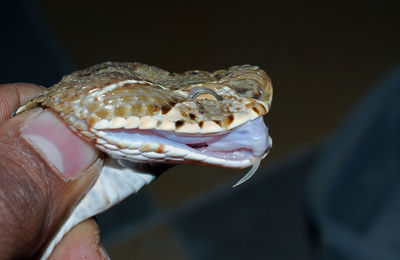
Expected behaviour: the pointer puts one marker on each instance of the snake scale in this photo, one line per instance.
(138, 114)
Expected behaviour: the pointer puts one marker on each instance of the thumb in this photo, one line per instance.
(45, 169)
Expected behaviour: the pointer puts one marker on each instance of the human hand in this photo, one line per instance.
(44, 170)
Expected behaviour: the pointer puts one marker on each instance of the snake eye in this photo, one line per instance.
(204, 93)
(207, 96)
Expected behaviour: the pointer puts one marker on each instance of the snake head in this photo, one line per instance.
(142, 113)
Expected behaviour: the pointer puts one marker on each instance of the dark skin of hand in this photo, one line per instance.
(37, 187)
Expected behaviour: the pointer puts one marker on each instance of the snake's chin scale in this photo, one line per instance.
(237, 148)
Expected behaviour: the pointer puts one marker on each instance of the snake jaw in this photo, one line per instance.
(233, 149)
(241, 147)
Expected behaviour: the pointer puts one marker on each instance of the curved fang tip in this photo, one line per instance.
(248, 175)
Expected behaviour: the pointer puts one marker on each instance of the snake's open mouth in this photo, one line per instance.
(236, 148)
(244, 142)
(240, 147)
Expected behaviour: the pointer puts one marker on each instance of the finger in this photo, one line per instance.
(44, 170)
(14, 95)
(81, 243)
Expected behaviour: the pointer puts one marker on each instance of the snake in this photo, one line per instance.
(138, 115)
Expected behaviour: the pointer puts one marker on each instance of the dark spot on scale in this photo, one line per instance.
(218, 76)
(165, 109)
(179, 124)
(218, 122)
(160, 149)
(193, 72)
(172, 103)
(256, 110)
(201, 123)
(229, 119)
(192, 116)
(198, 145)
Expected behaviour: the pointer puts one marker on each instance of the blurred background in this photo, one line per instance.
(333, 66)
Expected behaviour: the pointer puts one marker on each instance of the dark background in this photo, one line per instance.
(322, 58)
